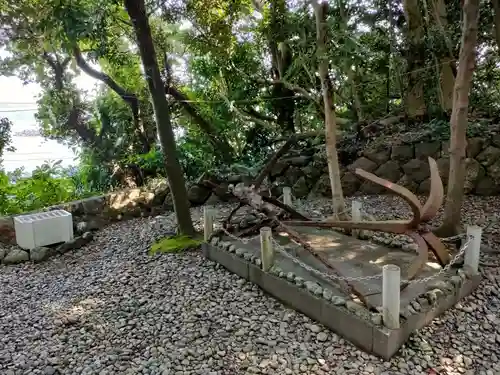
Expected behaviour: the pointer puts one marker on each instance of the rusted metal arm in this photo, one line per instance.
(392, 226)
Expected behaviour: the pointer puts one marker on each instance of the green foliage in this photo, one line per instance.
(48, 185)
(224, 57)
(5, 136)
(438, 128)
(175, 244)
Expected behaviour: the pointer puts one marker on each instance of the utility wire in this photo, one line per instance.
(34, 159)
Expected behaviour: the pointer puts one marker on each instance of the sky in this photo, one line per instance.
(31, 151)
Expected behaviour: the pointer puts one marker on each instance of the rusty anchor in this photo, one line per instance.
(417, 227)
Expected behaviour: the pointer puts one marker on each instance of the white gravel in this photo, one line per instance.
(109, 308)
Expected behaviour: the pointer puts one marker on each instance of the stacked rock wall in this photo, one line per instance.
(403, 162)
(305, 169)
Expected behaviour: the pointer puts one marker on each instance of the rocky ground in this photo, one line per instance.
(109, 308)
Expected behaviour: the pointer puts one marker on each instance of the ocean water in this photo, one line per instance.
(31, 150)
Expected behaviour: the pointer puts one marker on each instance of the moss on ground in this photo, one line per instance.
(175, 244)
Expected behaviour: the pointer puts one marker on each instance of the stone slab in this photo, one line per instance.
(361, 332)
(356, 258)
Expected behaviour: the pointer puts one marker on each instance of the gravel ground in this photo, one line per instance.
(111, 309)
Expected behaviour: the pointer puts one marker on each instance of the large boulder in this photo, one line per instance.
(390, 170)
(197, 195)
(7, 231)
(488, 156)
(495, 140)
(319, 160)
(474, 172)
(350, 183)
(222, 191)
(369, 188)
(278, 169)
(39, 254)
(494, 171)
(92, 224)
(417, 170)
(363, 163)
(312, 172)
(300, 188)
(425, 149)
(486, 186)
(408, 183)
(160, 191)
(94, 205)
(322, 187)
(377, 155)
(402, 152)
(424, 187)
(16, 256)
(474, 146)
(444, 168)
(292, 175)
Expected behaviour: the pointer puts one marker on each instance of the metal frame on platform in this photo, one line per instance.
(277, 215)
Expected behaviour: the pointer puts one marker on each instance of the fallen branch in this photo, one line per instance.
(272, 161)
(231, 214)
(285, 207)
(346, 288)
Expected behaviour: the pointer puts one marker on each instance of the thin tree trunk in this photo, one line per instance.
(281, 59)
(458, 122)
(446, 60)
(354, 82)
(496, 20)
(415, 102)
(128, 97)
(137, 12)
(321, 11)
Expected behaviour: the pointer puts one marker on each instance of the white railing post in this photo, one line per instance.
(266, 248)
(391, 295)
(287, 196)
(208, 222)
(356, 215)
(471, 256)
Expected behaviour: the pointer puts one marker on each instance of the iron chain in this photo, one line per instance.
(333, 277)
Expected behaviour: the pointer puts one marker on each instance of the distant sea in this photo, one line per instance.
(32, 150)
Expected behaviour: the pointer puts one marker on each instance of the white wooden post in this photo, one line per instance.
(356, 216)
(471, 256)
(208, 222)
(287, 195)
(266, 248)
(391, 295)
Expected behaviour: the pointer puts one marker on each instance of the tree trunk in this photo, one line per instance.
(415, 102)
(496, 19)
(128, 97)
(281, 59)
(446, 60)
(458, 122)
(137, 12)
(321, 11)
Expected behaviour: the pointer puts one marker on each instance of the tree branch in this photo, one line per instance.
(252, 112)
(221, 146)
(127, 96)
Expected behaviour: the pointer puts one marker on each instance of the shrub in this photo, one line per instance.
(48, 185)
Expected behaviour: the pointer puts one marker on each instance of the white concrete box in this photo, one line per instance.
(43, 228)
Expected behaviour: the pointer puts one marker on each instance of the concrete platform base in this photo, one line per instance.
(322, 300)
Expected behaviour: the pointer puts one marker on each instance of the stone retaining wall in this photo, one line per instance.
(94, 213)
(305, 170)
